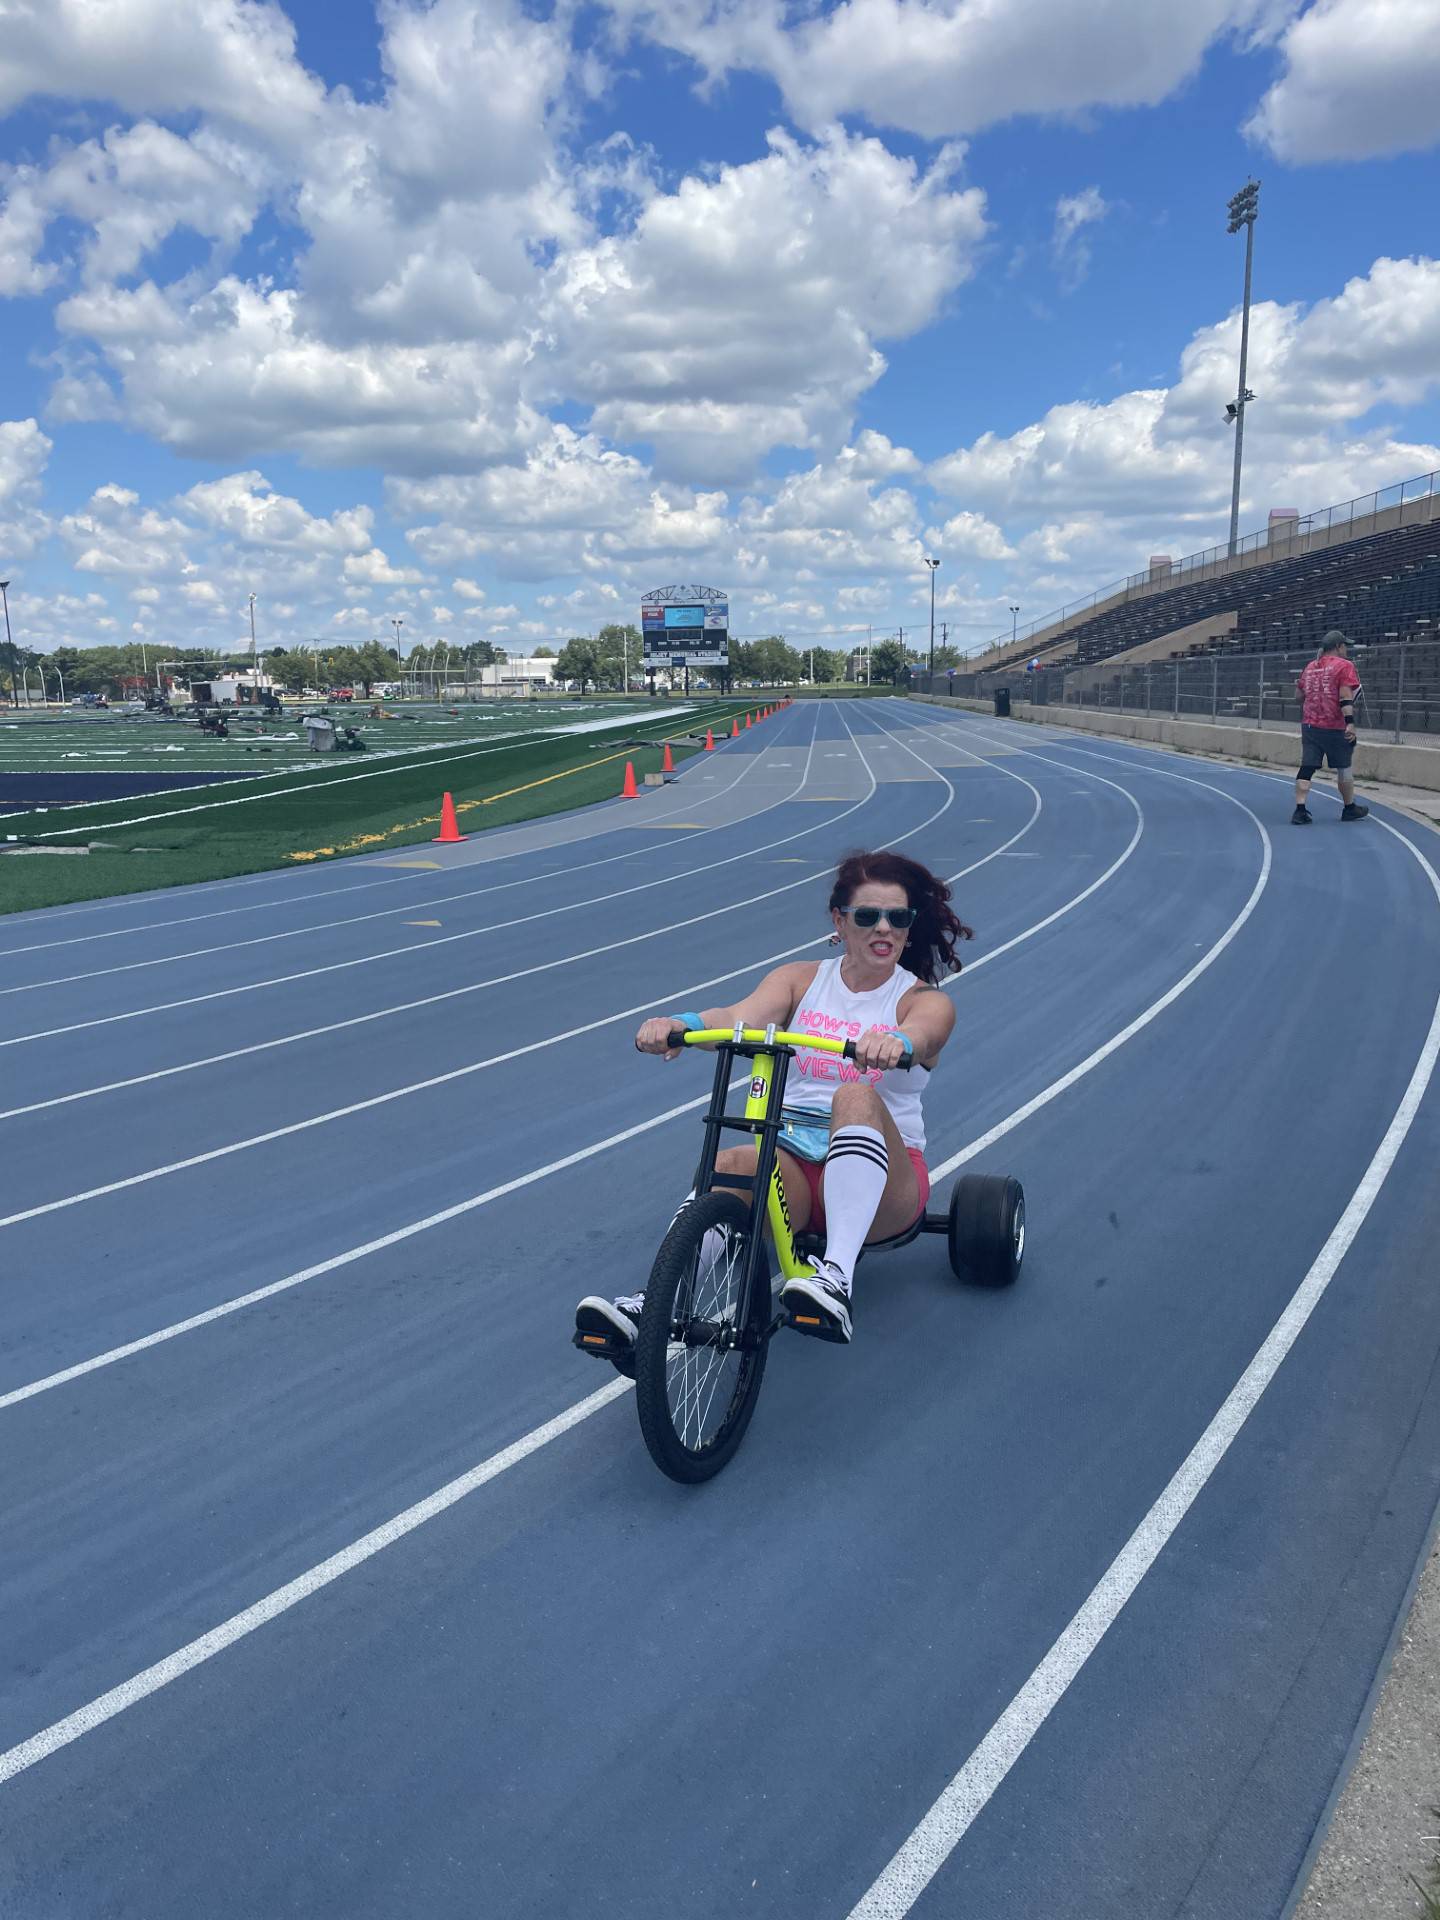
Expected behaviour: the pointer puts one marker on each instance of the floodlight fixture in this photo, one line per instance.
(1244, 206)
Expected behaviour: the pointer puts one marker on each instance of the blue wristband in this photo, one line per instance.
(905, 1042)
(691, 1022)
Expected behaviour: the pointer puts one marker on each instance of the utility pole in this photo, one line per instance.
(1244, 208)
(934, 566)
(14, 656)
(254, 656)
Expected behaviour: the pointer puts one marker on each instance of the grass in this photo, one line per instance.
(356, 804)
(1430, 1895)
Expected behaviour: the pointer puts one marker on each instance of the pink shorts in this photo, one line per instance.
(812, 1170)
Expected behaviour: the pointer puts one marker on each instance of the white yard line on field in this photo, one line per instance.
(402, 880)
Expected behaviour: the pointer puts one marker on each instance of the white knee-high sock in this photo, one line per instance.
(856, 1169)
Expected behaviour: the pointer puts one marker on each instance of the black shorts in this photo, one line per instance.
(1321, 744)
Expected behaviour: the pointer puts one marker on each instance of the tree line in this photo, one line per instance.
(592, 663)
(598, 663)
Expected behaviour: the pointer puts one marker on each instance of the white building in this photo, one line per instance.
(516, 675)
(226, 688)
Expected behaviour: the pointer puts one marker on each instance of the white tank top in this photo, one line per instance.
(830, 1008)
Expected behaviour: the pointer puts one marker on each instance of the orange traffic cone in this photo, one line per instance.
(747, 720)
(735, 728)
(449, 832)
(667, 765)
(629, 791)
(709, 741)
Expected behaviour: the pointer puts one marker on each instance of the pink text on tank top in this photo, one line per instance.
(830, 1066)
(831, 1008)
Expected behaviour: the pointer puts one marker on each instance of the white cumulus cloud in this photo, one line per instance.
(1361, 78)
(941, 67)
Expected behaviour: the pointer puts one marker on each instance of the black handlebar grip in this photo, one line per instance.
(675, 1037)
(901, 1066)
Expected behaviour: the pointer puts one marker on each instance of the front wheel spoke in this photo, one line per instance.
(722, 1368)
(681, 1389)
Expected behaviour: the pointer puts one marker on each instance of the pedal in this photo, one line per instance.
(815, 1325)
(603, 1345)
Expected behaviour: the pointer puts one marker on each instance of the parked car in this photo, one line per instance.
(341, 693)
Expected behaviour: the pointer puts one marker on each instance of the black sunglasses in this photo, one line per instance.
(867, 917)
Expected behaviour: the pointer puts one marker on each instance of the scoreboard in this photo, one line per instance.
(686, 627)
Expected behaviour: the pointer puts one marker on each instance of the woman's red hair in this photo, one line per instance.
(930, 947)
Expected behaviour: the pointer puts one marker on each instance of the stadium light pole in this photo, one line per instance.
(1244, 208)
(934, 566)
(14, 656)
(254, 655)
(1014, 622)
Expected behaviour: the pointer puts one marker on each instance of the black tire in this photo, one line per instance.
(695, 1400)
(987, 1229)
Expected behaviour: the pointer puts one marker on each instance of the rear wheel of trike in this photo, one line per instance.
(697, 1368)
(987, 1229)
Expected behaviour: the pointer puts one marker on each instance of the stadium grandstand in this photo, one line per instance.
(1222, 634)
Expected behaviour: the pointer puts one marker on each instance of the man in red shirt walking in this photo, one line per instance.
(1327, 688)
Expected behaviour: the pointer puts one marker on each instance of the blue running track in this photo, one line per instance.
(336, 1583)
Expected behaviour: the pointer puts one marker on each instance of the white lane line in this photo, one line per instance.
(185, 1659)
(415, 1086)
(1137, 1025)
(114, 1354)
(363, 1106)
(473, 933)
(402, 880)
(915, 1864)
(345, 1259)
(421, 946)
(236, 882)
(408, 880)
(1028, 933)
(405, 1006)
(228, 1307)
(417, 755)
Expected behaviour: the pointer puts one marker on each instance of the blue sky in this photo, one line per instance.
(493, 316)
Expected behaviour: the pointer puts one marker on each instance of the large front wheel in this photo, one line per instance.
(698, 1366)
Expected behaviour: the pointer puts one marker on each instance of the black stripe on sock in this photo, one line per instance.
(859, 1150)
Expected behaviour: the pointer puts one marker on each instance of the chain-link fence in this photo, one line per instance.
(1400, 682)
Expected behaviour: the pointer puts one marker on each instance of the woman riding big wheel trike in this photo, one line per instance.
(839, 1054)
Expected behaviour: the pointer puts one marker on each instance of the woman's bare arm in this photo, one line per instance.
(772, 1002)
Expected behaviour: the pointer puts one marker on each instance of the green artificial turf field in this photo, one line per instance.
(502, 766)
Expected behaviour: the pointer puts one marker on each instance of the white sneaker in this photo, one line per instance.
(600, 1323)
(818, 1303)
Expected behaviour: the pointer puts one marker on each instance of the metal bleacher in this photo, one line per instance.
(1383, 584)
